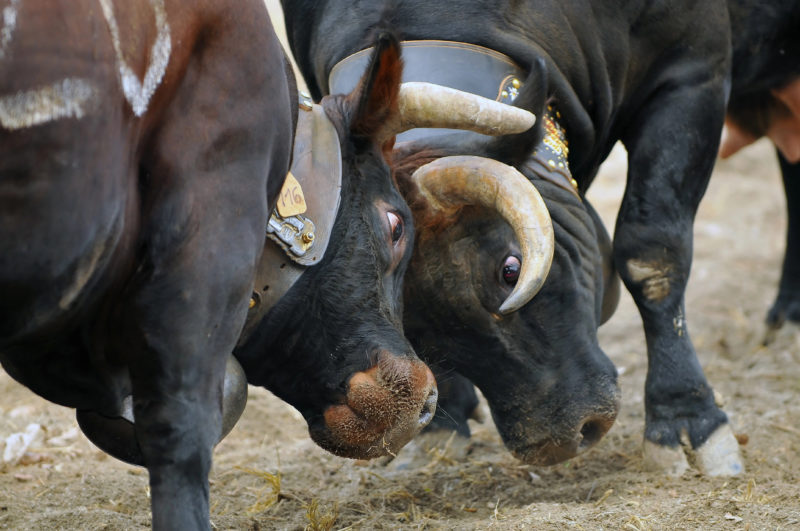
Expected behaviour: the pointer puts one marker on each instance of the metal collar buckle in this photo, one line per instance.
(294, 234)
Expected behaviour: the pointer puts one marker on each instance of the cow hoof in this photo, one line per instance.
(784, 333)
(667, 459)
(719, 455)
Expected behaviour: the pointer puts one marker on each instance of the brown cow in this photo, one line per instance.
(142, 146)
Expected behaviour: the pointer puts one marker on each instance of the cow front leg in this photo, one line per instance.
(457, 403)
(186, 312)
(220, 146)
(787, 303)
(176, 434)
(671, 153)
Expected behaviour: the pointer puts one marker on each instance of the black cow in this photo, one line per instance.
(787, 303)
(655, 76)
(142, 147)
(766, 102)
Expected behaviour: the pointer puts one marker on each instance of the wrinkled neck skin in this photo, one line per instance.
(342, 312)
(535, 370)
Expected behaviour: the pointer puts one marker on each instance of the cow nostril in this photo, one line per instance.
(428, 408)
(592, 431)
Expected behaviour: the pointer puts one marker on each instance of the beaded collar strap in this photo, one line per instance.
(550, 158)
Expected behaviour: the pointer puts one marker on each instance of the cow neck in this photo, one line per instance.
(549, 159)
(474, 69)
(299, 228)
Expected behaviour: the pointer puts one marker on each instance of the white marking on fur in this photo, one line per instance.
(653, 276)
(67, 98)
(9, 23)
(679, 323)
(138, 93)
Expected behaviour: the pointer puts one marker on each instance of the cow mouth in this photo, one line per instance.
(385, 407)
(551, 452)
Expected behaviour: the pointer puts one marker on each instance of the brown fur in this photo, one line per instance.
(378, 102)
(425, 220)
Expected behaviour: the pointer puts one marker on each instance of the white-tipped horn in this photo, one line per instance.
(429, 105)
(451, 182)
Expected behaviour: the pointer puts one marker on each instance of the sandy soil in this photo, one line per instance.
(269, 475)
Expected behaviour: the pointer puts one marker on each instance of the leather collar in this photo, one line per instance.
(474, 69)
(309, 202)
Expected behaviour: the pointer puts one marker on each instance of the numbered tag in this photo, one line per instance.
(291, 201)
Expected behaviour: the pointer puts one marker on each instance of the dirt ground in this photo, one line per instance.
(269, 475)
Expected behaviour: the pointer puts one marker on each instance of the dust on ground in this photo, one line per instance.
(268, 474)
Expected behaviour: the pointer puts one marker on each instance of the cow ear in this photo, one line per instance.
(375, 98)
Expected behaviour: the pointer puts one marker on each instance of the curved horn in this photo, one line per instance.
(429, 105)
(450, 182)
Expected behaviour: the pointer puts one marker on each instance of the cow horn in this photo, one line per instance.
(430, 105)
(451, 182)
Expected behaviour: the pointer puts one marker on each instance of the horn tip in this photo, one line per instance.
(510, 305)
(527, 120)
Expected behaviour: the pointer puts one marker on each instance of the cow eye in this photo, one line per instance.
(395, 226)
(511, 269)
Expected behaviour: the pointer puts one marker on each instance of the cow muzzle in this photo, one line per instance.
(570, 440)
(385, 407)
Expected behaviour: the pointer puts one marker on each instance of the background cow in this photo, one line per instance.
(787, 303)
(766, 102)
(655, 77)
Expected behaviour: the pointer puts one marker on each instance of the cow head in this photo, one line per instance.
(333, 346)
(482, 296)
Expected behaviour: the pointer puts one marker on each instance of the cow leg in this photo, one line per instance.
(225, 135)
(457, 403)
(671, 154)
(787, 303)
(187, 310)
